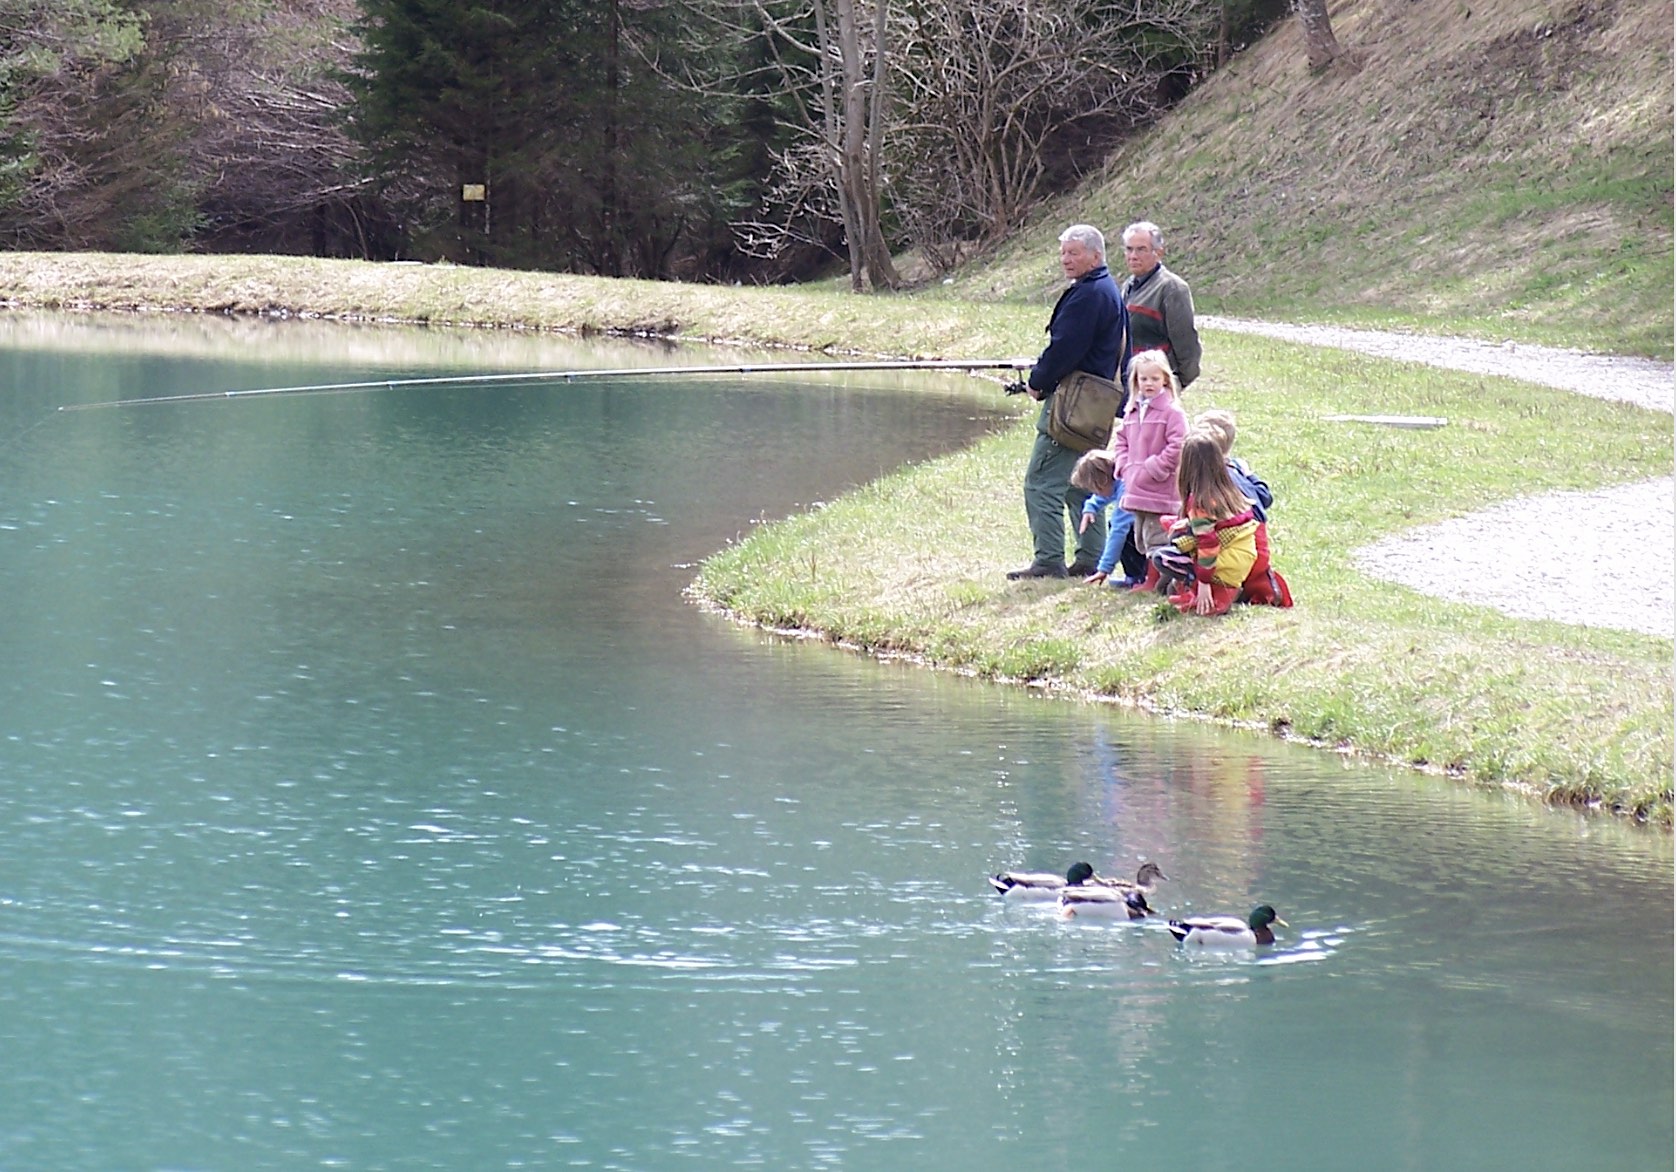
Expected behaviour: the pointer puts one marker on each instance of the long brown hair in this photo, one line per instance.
(1203, 476)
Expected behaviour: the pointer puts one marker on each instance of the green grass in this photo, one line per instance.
(1574, 714)
(914, 563)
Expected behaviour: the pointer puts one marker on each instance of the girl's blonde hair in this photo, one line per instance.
(1096, 472)
(1159, 361)
(1203, 476)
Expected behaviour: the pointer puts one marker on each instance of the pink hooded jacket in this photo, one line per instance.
(1148, 451)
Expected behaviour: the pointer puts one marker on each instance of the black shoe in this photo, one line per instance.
(1083, 569)
(1037, 570)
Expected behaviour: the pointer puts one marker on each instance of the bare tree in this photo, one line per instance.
(55, 56)
(1320, 44)
(827, 61)
(838, 68)
(185, 124)
(855, 138)
(273, 164)
(945, 117)
(994, 93)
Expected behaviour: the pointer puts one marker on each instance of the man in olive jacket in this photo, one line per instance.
(1160, 304)
(1088, 331)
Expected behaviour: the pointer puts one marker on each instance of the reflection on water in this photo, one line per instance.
(370, 799)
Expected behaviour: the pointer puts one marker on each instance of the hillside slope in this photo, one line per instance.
(1497, 168)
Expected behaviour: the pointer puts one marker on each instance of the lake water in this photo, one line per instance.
(371, 799)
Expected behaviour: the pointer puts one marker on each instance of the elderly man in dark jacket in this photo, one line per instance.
(1088, 331)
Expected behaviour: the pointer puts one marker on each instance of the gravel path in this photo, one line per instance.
(1574, 572)
(1645, 382)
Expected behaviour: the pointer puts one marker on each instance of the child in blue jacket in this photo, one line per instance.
(1095, 474)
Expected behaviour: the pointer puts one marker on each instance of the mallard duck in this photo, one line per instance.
(1090, 900)
(1228, 931)
(1040, 884)
(1145, 880)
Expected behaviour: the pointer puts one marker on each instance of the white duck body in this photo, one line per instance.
(1105, 902)
(1040, 886)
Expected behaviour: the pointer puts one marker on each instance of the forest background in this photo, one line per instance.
(751, 140)
(1492, 167)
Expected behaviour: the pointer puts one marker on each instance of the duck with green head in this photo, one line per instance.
(1041, 885)
(1229, 931)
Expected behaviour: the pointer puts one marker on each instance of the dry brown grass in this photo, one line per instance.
(811, 319)
(1496, 168)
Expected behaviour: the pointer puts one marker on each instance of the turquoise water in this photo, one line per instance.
(370, 798)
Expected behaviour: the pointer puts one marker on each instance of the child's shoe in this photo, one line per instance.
(1267, 589)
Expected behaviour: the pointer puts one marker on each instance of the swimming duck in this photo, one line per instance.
(1145, 880)
(1091, 900)
(1040, 884)
(1228, 931)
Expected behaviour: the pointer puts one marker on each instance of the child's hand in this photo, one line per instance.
(1095, 578)
(1204, 603)
(1082, 526)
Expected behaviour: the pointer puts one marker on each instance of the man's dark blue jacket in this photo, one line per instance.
(1087, 331)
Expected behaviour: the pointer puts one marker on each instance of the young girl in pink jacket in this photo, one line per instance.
(1147, 447)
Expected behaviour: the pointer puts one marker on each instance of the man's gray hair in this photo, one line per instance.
(1151, 229)
(1086, 235)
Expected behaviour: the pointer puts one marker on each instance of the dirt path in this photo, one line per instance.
(1642, 381)
(1588, 585)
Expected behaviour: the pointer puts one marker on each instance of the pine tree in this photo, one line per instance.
(586, 159)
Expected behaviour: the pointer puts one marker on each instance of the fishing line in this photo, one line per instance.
(568, 376)
(18, 438)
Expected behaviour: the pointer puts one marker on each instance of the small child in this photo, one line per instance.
(1147, 448)
(1095, 474)
(1220, 550)
(1220, 424)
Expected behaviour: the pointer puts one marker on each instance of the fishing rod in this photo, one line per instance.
(570, 376)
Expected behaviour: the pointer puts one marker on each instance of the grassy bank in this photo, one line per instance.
(914, 564)
(796, 318)
(1496, 170)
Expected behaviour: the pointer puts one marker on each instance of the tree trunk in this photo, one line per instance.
(608, 261)
(835, 141)
(880, 268)
(857, 142)
(1319, 42)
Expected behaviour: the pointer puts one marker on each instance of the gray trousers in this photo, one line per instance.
(1048, 494)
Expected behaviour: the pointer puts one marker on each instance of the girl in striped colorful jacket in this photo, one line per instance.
(1218, 552)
